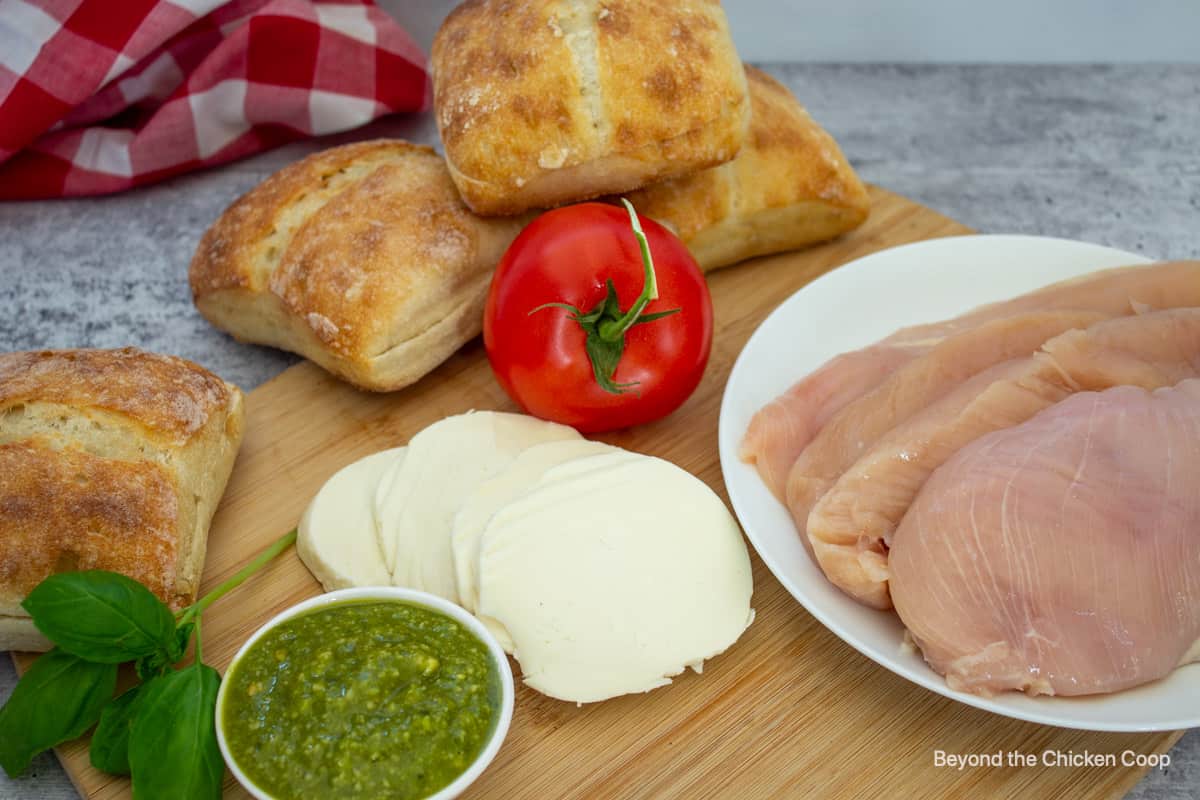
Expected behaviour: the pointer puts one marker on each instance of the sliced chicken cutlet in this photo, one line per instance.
(849, 526)
(780, 430)
(909, 390)
(1061, 556)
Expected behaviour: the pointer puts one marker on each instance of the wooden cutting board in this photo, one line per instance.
(789, 711)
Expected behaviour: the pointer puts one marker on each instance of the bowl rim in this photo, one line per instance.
(395, 594)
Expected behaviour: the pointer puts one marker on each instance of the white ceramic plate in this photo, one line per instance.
(858, 304)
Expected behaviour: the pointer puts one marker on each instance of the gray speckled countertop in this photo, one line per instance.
(1109, 154)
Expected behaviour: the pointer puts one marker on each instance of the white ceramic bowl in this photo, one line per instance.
(425, 600)
(853, 306)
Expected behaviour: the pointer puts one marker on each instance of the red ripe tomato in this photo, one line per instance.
(564, 331)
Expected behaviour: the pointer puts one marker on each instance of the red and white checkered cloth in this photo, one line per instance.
(97, 96)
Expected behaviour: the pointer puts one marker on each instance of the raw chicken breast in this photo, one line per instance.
(783, 428)
(849, 525)
(909, 390)
(1061, 556)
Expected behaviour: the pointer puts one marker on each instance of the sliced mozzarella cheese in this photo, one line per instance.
(337, 540)
(612, 576)
(519, 477)
(416, 501)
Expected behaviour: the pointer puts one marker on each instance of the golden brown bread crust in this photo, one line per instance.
(790, 186)
(541, 103)
(109, 459)
(242, 247)
(123, 516)
(507, 94)
(362, 258)
(672, 84)
(127, 381)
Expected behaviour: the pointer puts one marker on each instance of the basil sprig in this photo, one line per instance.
(162, 731)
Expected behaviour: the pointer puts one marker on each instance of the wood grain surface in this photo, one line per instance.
(789, 711)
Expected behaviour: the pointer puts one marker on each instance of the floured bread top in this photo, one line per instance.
(525, 89)
(172, 399)
(367, 246)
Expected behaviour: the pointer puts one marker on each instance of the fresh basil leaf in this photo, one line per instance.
(173, 748)
(161, 661)
(110, 743)
(101, 616)
(57, 700)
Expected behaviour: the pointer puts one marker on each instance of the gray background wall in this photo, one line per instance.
(1038, 31)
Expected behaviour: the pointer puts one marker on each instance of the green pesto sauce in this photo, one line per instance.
(362, 699)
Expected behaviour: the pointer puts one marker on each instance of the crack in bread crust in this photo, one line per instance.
(580, 31)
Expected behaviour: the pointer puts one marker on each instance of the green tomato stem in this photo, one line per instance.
(614, 330)
(194, 611)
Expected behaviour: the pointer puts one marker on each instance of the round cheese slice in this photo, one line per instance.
(337, 539)
(516, 479)
(611, 577)
(417, 499)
